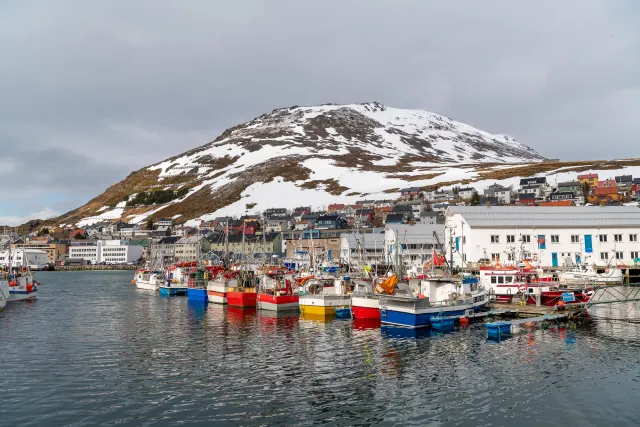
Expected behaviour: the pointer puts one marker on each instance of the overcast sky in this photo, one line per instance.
(92, 90)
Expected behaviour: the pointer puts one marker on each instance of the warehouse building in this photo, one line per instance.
(551, 236)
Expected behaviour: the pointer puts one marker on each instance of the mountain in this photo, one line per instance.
(313, 156)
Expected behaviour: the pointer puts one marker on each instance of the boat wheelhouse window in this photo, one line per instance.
(500, 279)
(508, 279)
(493, 279)
(530, 290)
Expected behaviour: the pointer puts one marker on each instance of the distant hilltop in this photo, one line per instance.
(317, 156)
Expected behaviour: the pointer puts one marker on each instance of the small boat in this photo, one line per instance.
(585, 274)
(245, 293)
(438, 297)
(220, 282)
(197, 285)
(148, 279)
(22, 286)
(551, 295)
(365, 303)
(321, 297)
(175, 280)
(277, 294)
(4, 292)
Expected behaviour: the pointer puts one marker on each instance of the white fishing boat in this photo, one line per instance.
(585, 274)
(321, 297)
(149, 279)
(4, 292)
(22, 286)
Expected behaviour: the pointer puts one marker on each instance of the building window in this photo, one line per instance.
(575, 238)
(495, 257)
(617, 237)
(603, 238)
(464, 257)
(604, 255)
(495, 238)
(555, 238)
(634, 255)
(633, 237)
(619, 255)
(511, 238)
(526, 238)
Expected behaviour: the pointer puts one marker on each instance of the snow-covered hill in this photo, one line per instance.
(317, 156)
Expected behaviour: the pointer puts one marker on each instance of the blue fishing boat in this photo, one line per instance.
(437, 297)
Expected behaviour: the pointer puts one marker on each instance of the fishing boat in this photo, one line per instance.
(197, 284)
(245, 293)
(438, 297)
(550, 295)
(276, 293)
(365, 302)
(220, 282)
(175, 279)
(321, 296)
(585, 274)
(148, 279)
(22, 286)
(4, 291)
(505, 282)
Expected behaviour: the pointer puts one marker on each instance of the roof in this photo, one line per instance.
(328, 217)
(366, 240)
(336, 206)
(562, 193)
(466, 189)
(588, 176)
(394, 218)
(402, 208)
(551, 216)
(418, 233)
(190, 239)
(558, 203)
(624, 178)
(409, 189)
(569, 184)
(636, 180)
(168, 240)
(533, 180)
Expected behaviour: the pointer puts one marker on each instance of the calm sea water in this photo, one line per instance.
(93, 350)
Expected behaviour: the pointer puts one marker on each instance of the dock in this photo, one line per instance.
(502, 329)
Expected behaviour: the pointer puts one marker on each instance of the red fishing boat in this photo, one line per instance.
(276, 293)
(245, 294)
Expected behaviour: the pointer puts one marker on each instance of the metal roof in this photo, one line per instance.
(542, 216)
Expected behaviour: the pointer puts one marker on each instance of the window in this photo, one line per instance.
(575, 238)
(634, 255)
(495, 257)
(500, 279)
(511, 238)
(493, 279)
(526, 238)
(619, 255)
(617, 237)
(633, 237)
(508, 279)
(603, 238)
(495, 239)
(555, 238)
(604, 255)
(464, 257)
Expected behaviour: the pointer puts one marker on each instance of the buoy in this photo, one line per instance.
(464, 321)
(133, 282)
(13, 284)
(421, 296)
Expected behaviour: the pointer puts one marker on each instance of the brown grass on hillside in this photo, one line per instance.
(332, 186)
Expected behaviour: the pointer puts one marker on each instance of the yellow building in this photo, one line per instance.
(589, 178)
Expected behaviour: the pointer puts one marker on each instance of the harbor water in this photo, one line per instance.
(94, 350)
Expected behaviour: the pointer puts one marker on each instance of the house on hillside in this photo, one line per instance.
(335, 208)
(527, 199)
(572, 186)
(503, 194)
(410, 192)
(590, 178)
(325, 222)
(624, 183)
(606, 191)
(466, 193)
(395, 218)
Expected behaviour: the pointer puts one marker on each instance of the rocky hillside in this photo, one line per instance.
(313, 156)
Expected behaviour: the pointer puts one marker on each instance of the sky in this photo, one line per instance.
(91, 91)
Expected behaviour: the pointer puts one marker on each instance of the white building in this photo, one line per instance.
(466, 193)
(503, 194)
(34, 258)
(356, 247)
(416, 242)
(108, 251)
(552, 236)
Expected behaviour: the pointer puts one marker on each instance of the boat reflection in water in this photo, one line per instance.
(240, 315)
(272, 321)
(364, 324)
(317, 317)
(390, 331)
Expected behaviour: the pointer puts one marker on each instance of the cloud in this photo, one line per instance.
(103, 88)
(17, 220)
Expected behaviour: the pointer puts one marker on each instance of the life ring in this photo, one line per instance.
(522, 288)
(535, 257)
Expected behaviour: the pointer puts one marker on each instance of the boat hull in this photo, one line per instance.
(365, 308)
(21, 296)
(242, 299)
(172, 290)
(420, 317)
(217, 297)
(146, 286)
(278, 303)
(323, 305)
(551, 298)
(194, 294)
